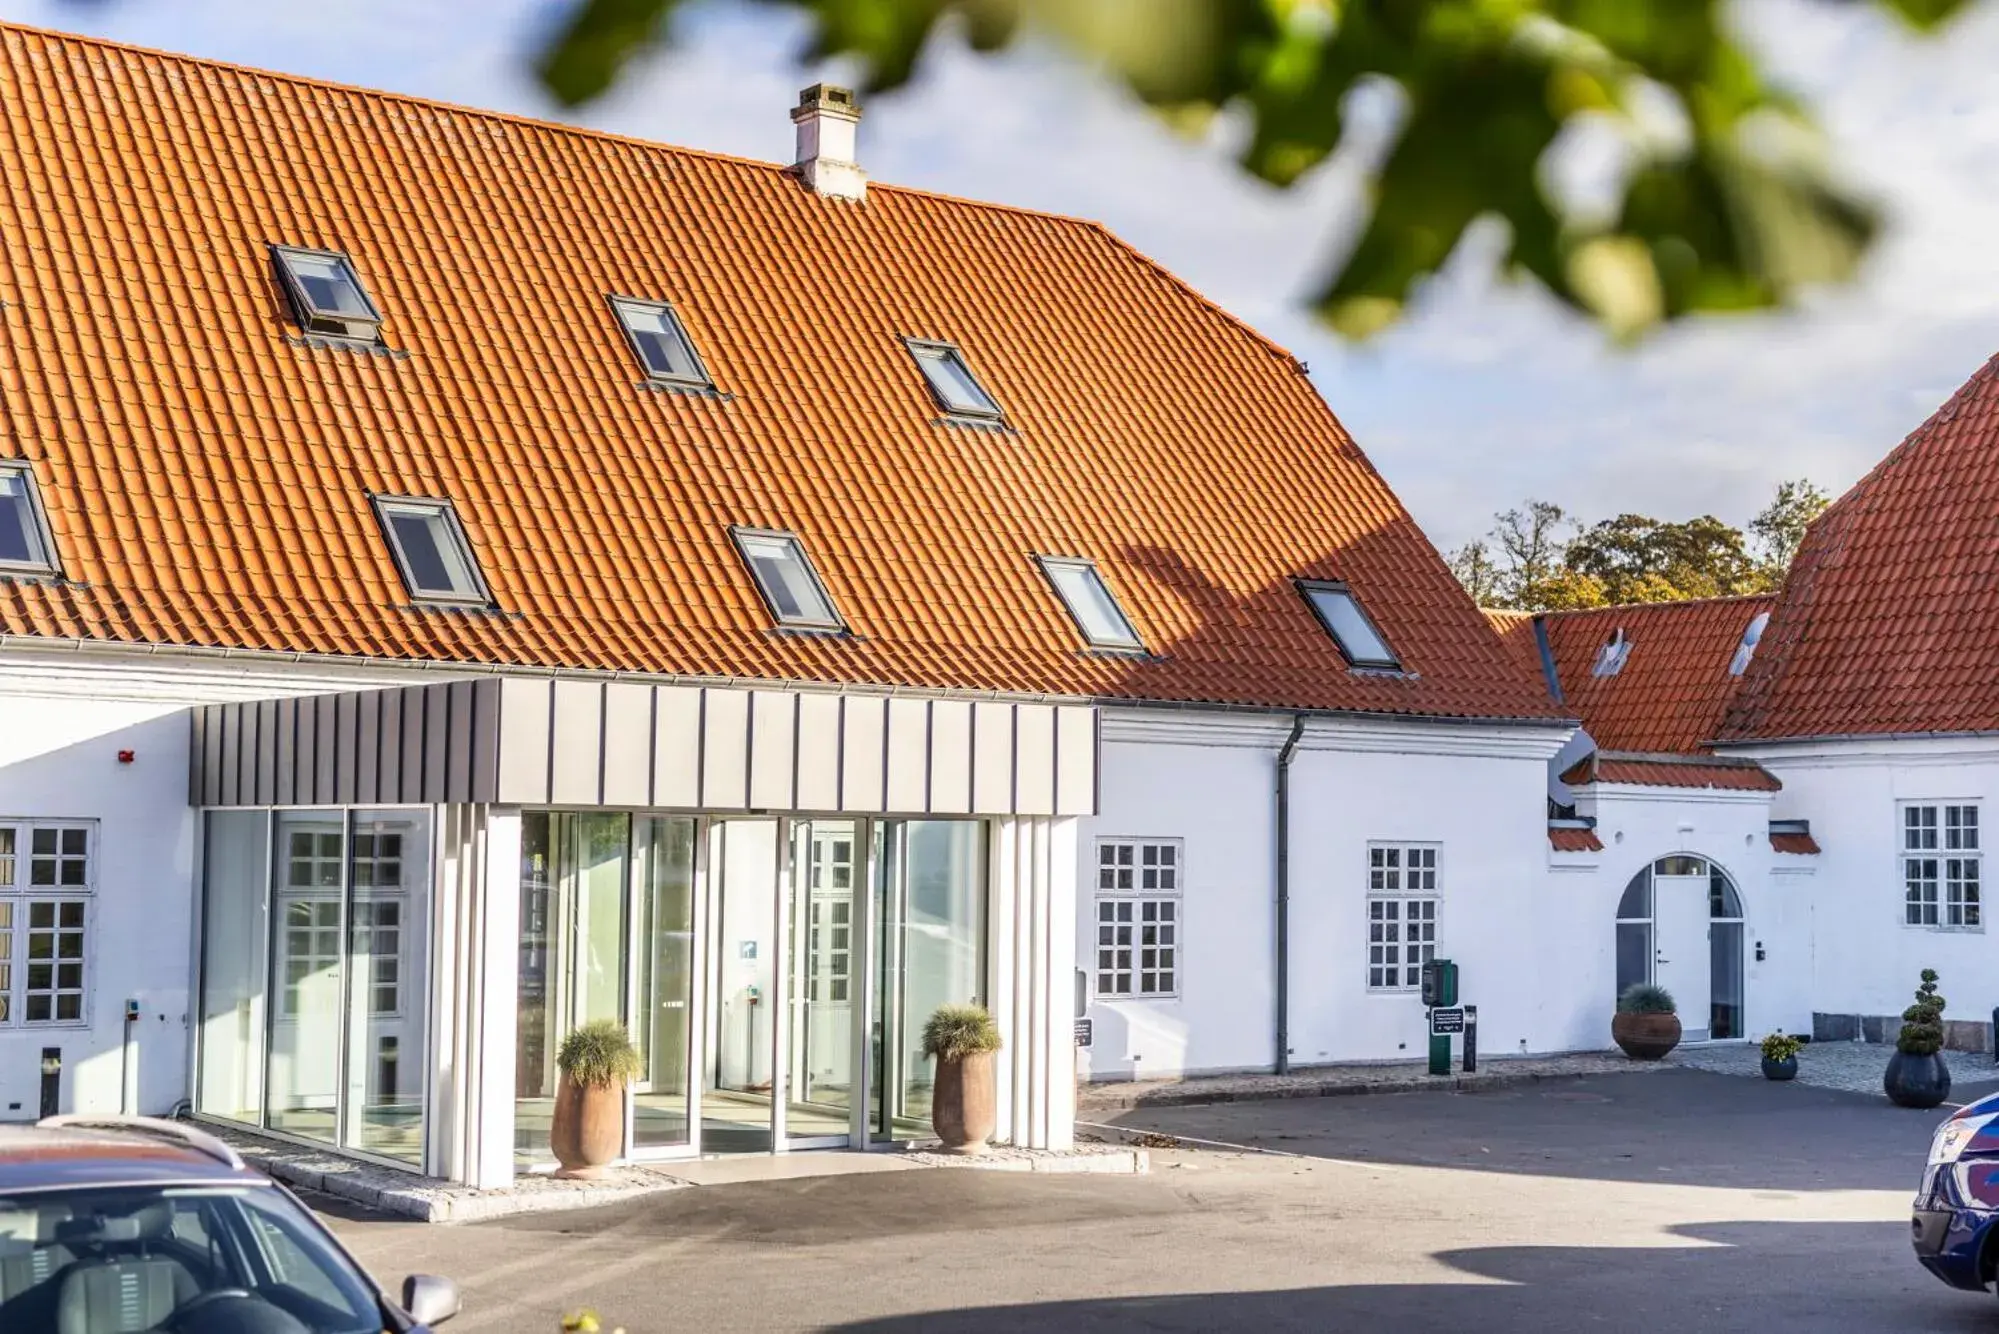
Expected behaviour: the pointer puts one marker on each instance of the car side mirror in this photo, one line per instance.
(430, 1300)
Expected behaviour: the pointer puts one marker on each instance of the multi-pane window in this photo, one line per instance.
(46, 881)
(25, 546)
(1138, 917)
(312, 946)
(1941, 866)
(431, 550)
(378, 938)
(660, 341)
(1402, 902)
(829, 919)
(55, 961)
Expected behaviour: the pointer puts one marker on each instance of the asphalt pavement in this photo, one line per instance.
(1673, 1201)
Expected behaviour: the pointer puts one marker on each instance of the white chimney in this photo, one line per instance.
(828, 119)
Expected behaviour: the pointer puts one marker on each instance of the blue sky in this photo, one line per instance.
(1488, 394)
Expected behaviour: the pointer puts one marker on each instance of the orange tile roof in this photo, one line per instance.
(1563, 839)
(1889, 610)
(207, 480)
(1516, 630)
(1629, 770)
(1675, 684)
(1797, 845)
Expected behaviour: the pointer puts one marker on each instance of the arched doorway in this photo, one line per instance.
(1679, 924)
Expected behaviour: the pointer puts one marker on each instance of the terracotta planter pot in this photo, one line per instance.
(964, 1104)
(589, 1127)
(1645, 1037)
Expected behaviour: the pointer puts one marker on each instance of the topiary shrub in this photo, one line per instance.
(1922, 1023)
(1646, 998)
(599, 1055)
(957, 1031)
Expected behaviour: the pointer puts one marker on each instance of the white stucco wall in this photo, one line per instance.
(1868, 960)
(1477, 792)
(1639, 825)
(59, 761)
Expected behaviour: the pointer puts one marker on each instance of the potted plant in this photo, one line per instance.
(1916, 1075)
(964, 1105)
(1780, 1056)
(1645, 1024)
(597, 1061)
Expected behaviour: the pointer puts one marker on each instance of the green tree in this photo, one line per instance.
(1780, 527)
(1727, 202)
(1473, 565)
(1640, 559)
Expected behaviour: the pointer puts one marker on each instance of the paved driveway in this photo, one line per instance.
(1672, 1201)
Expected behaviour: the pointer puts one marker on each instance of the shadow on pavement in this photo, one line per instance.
(1685, 1127)
(1760, 1278)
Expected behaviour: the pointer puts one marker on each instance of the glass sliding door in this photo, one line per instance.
(387, 981)
(744, 945)
(308, 967)
(930, 924)
(823, 990)
(663, 988)
(235, 955)
(573, 951)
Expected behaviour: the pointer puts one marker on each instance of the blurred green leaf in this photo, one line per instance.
(1733, 207)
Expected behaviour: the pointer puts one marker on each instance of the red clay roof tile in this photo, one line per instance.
(207, 475)
(1573, 840)
(1670, 694)
(1798, 845)
(1888, 612)
(1623, 769)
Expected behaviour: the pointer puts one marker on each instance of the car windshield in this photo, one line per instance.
(184, 1260)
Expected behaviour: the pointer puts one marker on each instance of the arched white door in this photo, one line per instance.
(1679, 925)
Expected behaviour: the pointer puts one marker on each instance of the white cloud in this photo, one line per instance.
(1490, 393)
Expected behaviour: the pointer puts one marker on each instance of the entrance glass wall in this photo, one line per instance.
(606, 933)
(930, 897)
(315, 975)
(1679, 924)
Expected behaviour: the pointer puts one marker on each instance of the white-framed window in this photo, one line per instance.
(784, 576)
(660, 342)
(326, 293)
(830, 916)
(1942, 873)
(1403, 897)
(431, 551)
(1138, 917)
(47, 879)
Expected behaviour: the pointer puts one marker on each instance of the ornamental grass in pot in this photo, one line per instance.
(1645, 1024)
(597, 1062)
(964, 1102)
(1780, 1056)
(1916, 1074)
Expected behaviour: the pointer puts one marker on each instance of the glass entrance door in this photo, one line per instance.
(740, 1064)
(930, 932)
(823, 994)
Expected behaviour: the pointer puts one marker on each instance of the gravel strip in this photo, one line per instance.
(1852, 1067)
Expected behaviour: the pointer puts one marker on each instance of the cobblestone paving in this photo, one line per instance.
(1855, 1067)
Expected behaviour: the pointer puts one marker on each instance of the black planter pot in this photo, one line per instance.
(1780, 1070)
(1916, 1081)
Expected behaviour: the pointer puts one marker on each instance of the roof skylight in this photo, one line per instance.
(431, 552)
(1752, 635)
(661, 342)
(952, 383)
(1096, 612)
(25, 545)
(1610, 658)
(1350, 626)
(786, 579)
(326, 294)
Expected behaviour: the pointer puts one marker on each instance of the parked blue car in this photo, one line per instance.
(1958, 1201)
